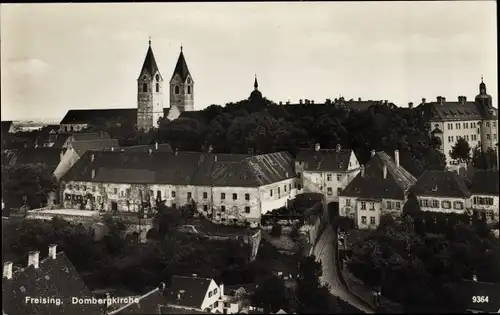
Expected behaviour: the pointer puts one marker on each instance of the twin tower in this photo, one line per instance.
(150, 91)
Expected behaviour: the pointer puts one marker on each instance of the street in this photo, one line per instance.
(325, 253)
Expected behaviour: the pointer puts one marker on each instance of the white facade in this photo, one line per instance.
(488, 204)
(444, 204)
(328, 183)
(367, 212)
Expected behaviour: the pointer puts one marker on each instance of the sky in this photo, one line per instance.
(56, 57)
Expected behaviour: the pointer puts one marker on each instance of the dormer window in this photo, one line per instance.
(176, 90)
(144, 87)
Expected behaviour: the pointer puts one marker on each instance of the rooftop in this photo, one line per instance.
(324, 159)
(187, 291)
(441, 184)
(485, 183)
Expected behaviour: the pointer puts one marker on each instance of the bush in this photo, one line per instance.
(276, 230)
(294, 234)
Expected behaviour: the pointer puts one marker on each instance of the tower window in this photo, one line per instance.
(157, 77)
(189, 89)
(144, 87)
(176, 89)
(157, 87)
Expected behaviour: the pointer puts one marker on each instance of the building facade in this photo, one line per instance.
(227, 188)
(381, 187)
(325, 171)
(476, 122)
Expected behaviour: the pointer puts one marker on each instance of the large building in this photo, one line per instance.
(475, 121)
(150, 96)
(227, 188)
(381, 187)
(325, 171)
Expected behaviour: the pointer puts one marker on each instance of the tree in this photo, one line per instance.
(461, 151)
(484, 160)
(31, 180)
(270, 294)
(412, 206)
(276, 230)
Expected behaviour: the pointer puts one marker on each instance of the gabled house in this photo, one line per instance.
(380, 187)
(77, 149)
(227, 188)
(325, 171)
(442, 191)
(45, 286)
(485, 192)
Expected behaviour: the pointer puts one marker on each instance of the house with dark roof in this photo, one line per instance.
(227, 188)
(45, 286)
(77, 148)
(442, 191)
(150, 95)
(485, 192)
(475, 121)
(325, 171)
(50, 157)
(381, 187)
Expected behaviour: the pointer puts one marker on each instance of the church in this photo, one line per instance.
(150, 94)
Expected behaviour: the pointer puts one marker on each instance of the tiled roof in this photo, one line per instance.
(149, 64)
(149, 303)
(181, 68)
(324, 159)
(61, 140)
(48, 156)
(162, 147)
(99, 144)
(88, 136)
(468, 289)
(183, 168)
(485, 183)
(454, 111)
(53, 278)
(6, 126)
(86, 116)
(372, 184)
(192, 291)
(441, 184)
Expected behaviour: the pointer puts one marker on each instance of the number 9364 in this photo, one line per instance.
(480, 299)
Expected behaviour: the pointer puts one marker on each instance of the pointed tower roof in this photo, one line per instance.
(181, 67)
(256, 84)
(149, 64)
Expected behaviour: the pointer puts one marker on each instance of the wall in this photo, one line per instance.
(211, 299)
(235, 209)
(69, 159)
(277, 200)
(372, 211)
(183, 100)
(487, 208)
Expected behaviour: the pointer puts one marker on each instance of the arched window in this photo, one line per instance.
(157, 87)
(144, 87)
(189, 89)
(176, 89)
(157, 77)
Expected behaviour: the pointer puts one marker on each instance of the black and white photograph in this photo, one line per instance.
(286, 157)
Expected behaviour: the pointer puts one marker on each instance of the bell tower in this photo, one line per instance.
(149, 93)
(182, 86)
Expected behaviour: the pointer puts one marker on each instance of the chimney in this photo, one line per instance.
(210, 149)
(281, 103)
(312, 101)
(439, 99)
(52, 251)
(396, 157)
(195, 275)
(287, 102)
(112, 149)
(33, 259)
(202, 159)
(150, 151)
(338, 148)
(423, 101)
(61, 155)
(384, 171)
(92, 157)
(156, 145)
(221, 289)
(362, 170)
(317, 147)
(102, 135)
(372, 153)
(93, 173)
(300, 102)
(474, 278)
(443, 99)
(410, 105)
(386, 102)
(161, 286)
(215, 158)
(7, 269)
(359, 99)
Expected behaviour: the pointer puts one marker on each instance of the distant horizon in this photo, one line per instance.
(57, 57)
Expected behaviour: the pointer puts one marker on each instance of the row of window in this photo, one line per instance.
(214, 292)
(466, 137)
(466, 125)
(279, 189)
(487, 201)
(329, 190)
(157, 88)
(445, 204)
(329, 177)
(389, 205)
(372, 220)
